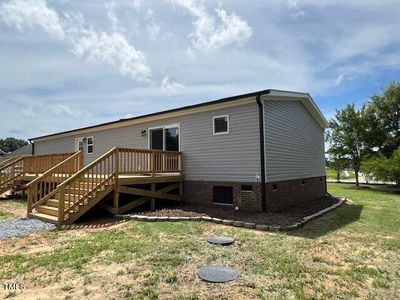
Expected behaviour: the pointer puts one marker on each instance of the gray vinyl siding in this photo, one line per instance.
(229, 157)
(294, 142)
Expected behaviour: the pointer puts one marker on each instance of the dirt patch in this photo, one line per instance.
(12, 208)
(288, 217)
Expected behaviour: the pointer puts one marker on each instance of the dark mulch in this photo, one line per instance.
(287, 217)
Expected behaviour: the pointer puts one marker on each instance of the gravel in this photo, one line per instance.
(22, 227)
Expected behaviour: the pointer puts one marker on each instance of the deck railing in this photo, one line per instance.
(45, 186)
(11, 172)
(8, 161)
(140, 161)
(84, 185)
(39, 164)
(26, 165)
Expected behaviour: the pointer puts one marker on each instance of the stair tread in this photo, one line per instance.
(42, 216)
(48, 207)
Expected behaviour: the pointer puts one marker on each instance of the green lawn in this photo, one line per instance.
(331, 174)
(352, 252)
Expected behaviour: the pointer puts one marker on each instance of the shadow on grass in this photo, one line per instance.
(330, 222)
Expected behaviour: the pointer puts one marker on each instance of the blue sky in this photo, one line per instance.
(68, 63)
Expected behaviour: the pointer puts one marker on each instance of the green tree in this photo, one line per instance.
(11, 144)
(385, 110)
(383, 168)
(353, 135)
(337, 162)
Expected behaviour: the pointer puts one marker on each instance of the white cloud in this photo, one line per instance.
(28, 111)
(30, 13)
(294, 9)
(211, 33)
(63, 110)
(339, 80)
(112, 17)
(137, 4)
(84, 41)
(170, 87)
(114, 49)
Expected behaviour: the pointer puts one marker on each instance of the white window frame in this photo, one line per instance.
(163, 129)
(227, 119)
(77, 143)
(87, 145)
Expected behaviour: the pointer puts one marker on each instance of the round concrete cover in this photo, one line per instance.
(220, 240)
(217, 274)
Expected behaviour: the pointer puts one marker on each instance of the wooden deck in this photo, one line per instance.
(60, 189)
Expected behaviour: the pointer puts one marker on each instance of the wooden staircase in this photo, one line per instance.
(14, 171)
(67, 191)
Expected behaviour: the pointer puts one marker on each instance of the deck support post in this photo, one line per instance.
(181, 186)
(61, 206)
(116, 201)
(116, 185)
(153, 200)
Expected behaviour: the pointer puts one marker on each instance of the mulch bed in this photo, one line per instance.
(284, 218)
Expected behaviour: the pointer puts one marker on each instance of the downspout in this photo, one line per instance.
(33, 147)
(262, 147)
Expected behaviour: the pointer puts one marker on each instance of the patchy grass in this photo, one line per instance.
(352, 252)
(12, 208)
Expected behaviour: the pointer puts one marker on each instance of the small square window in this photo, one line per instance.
(221, 124)
(222, 195)
(246, 188)
(275, 187)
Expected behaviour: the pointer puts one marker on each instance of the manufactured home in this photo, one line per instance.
(262, 151)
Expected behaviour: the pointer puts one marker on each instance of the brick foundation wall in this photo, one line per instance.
(288, 193)
(292, 192)
(201, 192)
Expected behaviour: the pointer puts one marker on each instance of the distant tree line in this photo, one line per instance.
(368, 139)
(11, 144)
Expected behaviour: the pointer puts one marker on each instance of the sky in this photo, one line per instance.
(66, 64)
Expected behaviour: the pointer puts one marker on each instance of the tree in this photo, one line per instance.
(11, 144)
(385, 109)
(337, 162)
(353, 135)
(383, 168)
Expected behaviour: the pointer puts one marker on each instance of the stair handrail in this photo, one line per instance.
(8, 173)
(9, 160)
(93, 163)
(36, 194)
(10, 164)
(92, 185)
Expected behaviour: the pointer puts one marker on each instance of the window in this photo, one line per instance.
(274, 187)
(79, 144)
(246, 188)
(221, 124)
(164, 138)
(303, 182)
(90, 145)
(222, 194)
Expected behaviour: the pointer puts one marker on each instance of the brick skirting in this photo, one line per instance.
(293, 192)
(201, 192)
(288, 193)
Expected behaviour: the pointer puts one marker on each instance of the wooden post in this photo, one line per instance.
(181, 186)
(61, 203)
(29, 200)
(153, 200)
(116, 185)
(153, 163)
(180, 163)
